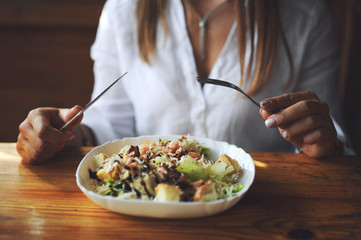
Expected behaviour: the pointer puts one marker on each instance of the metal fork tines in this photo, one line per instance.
(225, 84)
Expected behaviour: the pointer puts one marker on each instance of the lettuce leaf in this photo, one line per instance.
(219, 171)
(195, 171)
(192, 169)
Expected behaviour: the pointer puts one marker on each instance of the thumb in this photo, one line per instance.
(68, 114)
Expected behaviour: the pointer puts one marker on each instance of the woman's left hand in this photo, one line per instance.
(303, 120)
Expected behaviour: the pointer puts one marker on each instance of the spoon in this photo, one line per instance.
(225, 84)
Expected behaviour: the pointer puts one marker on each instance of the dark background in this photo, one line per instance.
(45, 58)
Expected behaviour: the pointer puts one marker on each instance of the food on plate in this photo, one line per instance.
(166, 171)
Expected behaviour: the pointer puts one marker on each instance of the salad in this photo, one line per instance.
(166, 171)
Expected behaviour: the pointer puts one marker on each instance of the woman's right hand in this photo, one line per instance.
(39, 138)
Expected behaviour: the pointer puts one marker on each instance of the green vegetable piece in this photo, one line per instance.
(166, 141)
(232, 190)
(219, 171)
(205, 152)
(192, 169)
(237, 187)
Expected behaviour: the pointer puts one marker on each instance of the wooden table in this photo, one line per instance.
(292, 197)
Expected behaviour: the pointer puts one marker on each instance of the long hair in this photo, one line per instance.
(261, 16)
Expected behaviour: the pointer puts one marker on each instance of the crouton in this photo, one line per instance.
(167, 193)
(206, 192)
(230, 162)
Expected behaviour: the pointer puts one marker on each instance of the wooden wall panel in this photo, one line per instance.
(45, 57)
(347, 20)
(352, 96)
(51, 13)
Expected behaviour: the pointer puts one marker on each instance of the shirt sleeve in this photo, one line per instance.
(112, 116)
(319, 67)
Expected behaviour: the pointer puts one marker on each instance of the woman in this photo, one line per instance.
(269, 48)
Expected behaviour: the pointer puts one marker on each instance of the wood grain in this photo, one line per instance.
(293, 197)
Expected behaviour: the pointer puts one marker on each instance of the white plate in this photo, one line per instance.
(148, 208)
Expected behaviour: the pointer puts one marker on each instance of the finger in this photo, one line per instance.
(40, 124)
(304, 125)
(31, 155)
(296, 112)
(274, 104)
(39, 144)
(19, 146)
(320, 135)
(320, 143)
(72, 112)
(34, 148)
(67, 115)
(25, 150)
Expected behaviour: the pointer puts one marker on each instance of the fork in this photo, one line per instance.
(225, 84)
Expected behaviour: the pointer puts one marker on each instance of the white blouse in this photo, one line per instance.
(165, 97)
